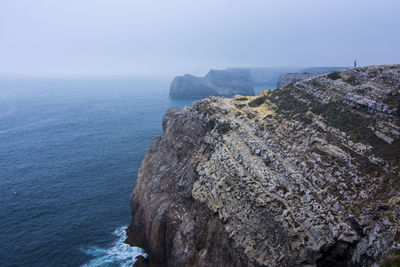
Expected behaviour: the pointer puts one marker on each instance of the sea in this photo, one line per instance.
(70, 150)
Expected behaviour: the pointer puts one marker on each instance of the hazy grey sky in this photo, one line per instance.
(90, 37)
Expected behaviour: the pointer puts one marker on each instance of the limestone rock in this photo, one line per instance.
(306, 175)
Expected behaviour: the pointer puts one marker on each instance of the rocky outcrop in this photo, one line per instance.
(303, 74)
(288, 78)
(304, 175)
(216, 83)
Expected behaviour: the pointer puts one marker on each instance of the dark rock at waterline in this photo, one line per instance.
(141, 262)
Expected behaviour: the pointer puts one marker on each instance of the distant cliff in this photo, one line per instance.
(216, 83)
(303, 74)
(268, 76)
(306, 175)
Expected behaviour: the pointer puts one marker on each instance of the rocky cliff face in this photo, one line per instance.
(304, 175)
(215, 83)
(303, 74)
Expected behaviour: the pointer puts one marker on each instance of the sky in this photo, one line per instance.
(172, 37)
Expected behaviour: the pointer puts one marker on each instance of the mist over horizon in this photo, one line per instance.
(151, 38)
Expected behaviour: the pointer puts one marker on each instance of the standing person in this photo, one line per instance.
(355, 63)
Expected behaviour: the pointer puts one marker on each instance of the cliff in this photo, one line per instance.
(303, 175)
(268, 76)
(216, 83)
(303, 74)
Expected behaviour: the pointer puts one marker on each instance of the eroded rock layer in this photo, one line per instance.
(303, 175)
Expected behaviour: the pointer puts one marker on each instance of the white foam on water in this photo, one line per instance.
(119, 254)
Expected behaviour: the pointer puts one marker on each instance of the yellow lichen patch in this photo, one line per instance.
(264, 110)
(232, 104)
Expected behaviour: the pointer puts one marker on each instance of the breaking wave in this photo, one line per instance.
(119, 254)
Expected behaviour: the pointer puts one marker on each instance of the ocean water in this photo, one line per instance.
(69, 155)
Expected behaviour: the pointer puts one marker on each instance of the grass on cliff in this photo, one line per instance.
(288, 105)
(352, 80)
(223, 128)
(334, 75)
(357, 126)
(257, 102)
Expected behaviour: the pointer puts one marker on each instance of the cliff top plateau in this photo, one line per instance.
(305, 175)
(292, 77)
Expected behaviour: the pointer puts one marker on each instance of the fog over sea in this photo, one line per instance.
(70, 150)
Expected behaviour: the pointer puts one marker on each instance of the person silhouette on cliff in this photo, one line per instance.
(355, 63)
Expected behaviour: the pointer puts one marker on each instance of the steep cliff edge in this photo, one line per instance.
(303, 175)
(216, 83)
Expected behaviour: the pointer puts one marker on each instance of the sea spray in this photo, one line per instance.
(118, 254)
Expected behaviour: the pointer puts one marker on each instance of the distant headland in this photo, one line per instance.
(241, 81)
(216, 83)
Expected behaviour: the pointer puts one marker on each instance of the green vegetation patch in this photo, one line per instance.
(352, 80)
(223, 128)
(302, 117)
(355, 137)
(282, 188)
(397, 236)
(242, 99)
(387, 151)
(345, 120)
(358, 128)
(239, 106)
(315, 83)
(334, 75)
(257, 102)
(392, 99)
(290, 106)
(250, 115)
(279, 204)
(210, 125)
